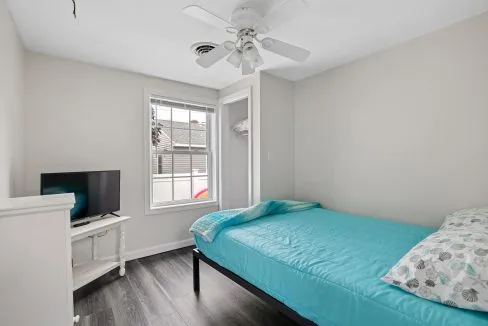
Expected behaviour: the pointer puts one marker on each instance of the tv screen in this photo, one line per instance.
(96, 192)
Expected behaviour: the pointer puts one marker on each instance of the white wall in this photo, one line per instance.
(84, 117)
(277, 138)
(401, 134)
(237, 166)
(11, 92)
(273, 133)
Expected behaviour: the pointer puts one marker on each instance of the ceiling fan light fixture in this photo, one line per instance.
(229, 46)
(257, 62)
(267, 43)
(246, 68)
(235, 58)
(250, 52)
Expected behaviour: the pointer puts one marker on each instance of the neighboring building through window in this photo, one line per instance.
(181, 152)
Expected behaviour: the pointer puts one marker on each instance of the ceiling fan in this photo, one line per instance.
(247, 23)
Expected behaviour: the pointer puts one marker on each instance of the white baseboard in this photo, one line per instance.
(139, 253)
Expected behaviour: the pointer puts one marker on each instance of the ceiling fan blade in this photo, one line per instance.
(246, 68)
(285, 12)
(284, 49)
(211, 57)
(206, 16)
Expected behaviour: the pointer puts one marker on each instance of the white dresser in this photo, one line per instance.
(36, 281)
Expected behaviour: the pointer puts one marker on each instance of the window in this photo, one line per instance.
(181, 169)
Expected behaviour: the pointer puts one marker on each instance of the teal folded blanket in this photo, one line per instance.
(208, 226)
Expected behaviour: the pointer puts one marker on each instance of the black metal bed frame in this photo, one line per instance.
(284, 309)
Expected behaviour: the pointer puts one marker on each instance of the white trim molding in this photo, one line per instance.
(150, 251)
(183, 207)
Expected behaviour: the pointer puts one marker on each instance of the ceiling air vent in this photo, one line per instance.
(202, 47)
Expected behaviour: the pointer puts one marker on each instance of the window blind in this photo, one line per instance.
(182, 105)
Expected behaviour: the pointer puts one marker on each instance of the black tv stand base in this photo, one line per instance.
(116, 215)
(95, 219)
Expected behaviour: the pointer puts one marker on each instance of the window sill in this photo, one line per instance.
(182, 207)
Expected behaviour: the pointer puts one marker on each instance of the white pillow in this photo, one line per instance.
(476, 218)
(451, 265)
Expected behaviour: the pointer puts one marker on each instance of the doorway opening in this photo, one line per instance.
(235, 133)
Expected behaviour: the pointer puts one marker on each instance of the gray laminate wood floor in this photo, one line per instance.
(158, 291)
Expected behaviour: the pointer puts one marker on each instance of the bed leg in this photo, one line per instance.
(196, 272)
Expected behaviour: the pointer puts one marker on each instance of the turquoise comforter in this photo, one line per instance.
(208, 226)
(327, 267)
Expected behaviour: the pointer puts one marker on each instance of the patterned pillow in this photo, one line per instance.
(467, 218)
(449, 266)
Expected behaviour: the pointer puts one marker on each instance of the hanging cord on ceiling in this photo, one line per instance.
(74, 8)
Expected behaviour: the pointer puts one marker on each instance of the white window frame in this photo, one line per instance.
(212, 168)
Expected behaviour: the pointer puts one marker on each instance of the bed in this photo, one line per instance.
(323, 267)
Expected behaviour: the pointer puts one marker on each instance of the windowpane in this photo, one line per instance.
(199, 164)
(163, 112)
(182, 166)
(161, 119)
(200, 187)
(162, 189)
(198, 120)
(181, 129)
(198, 140)
(182, 188)
(181, 115)
(165, 165)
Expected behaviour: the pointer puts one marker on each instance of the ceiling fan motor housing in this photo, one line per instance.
(248, 18)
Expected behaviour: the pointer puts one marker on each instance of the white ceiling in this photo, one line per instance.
(153, 37)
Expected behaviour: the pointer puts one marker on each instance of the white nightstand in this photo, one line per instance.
(87, 272)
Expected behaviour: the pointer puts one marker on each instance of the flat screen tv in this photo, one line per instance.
(96, 192)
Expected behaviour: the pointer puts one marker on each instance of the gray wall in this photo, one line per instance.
(402, 134)
(11, 88)
(277, 138)
(83, 117)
